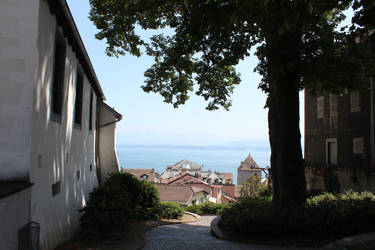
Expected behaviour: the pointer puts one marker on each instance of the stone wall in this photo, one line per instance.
(357, 179)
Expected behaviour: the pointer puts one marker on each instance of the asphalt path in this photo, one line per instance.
(195, 235)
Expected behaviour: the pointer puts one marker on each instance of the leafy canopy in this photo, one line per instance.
(210, 37)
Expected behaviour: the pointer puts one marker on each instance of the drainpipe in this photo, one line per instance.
(372, 125)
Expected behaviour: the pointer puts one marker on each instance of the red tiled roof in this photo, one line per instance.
(180, 179)
(175, 193)
(137, 172)
(197, 189)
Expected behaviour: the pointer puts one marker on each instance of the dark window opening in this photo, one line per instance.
(78, 175)
(57, 88)
(78, 101)
(90, 167)
(56, 188)
(90, 113)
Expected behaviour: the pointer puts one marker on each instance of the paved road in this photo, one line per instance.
(195, 235)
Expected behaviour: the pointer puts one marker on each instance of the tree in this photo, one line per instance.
(298, 46)
(253, 188)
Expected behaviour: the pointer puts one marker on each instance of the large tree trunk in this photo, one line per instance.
(289, 186)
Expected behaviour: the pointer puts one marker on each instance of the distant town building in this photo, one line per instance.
(180, 167)
(247, 167)
(186, 195)
(143, 174)
(186, 166)
(217, 177)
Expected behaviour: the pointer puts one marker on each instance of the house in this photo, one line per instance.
(217, 177)
(57, 136)
(186, 195)
(247, 167)
(339, 135)
(214, 191)
(142, 174)
(180, 167)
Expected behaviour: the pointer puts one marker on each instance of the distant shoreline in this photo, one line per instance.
(194, 147)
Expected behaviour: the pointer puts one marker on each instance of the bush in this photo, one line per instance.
(208, 208)
(167, 210)
(323, 216)
(254, 189)
(121, 199)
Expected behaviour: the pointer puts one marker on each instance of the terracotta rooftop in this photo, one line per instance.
(175, 193)
(248, 164)
(150, 173)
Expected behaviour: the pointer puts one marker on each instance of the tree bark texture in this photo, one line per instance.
(288, 178)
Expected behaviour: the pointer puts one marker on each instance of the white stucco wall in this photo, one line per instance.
(18, 32)
(107, 143)
(58, 149)
(15, 211)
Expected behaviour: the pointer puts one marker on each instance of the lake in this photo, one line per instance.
(214, 158)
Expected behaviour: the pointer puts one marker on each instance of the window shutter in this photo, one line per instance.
(355, 101)
(333, 110)
(320, 107)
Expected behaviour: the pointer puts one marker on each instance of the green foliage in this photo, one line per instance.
(167, 210)
(200, 48)
(121, 199)
(298, 46)
(325, 216)
(208, 208)
(253, 188)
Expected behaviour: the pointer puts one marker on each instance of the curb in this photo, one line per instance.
(215, 230)
(167, 222)
(352, 240)
(198, 217)
(347, 241)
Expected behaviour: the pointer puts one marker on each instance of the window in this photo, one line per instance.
(78, 101)
(90, 112)
(78, 175)
(358, 145)
(57, 88)
(333, 110)
(331, 151)
(56, 188)
(355, 101)
(144, 177)
(320, 107)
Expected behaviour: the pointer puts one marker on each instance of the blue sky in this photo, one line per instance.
(148, 120)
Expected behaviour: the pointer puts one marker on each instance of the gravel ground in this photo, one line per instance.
(195, 235)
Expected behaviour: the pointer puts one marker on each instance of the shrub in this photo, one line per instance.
(323, 216)
(208, 208)
(167, 210)
(121, 199)
(253, 188)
